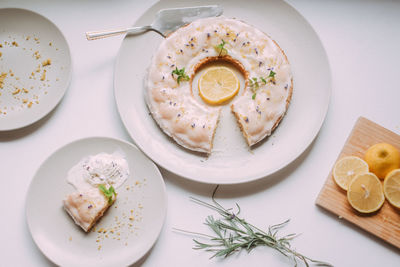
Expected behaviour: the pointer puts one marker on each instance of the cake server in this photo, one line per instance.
(167, 21)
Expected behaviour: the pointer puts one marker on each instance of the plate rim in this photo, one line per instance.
(84, 139)
(258, 175)
(64, 89)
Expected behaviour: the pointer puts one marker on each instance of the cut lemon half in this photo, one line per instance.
(365, 193)
(391, 188)
(218, 84)
(346, 169)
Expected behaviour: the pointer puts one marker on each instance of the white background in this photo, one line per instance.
(362, 41)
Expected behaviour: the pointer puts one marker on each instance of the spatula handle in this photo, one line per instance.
(94, 35)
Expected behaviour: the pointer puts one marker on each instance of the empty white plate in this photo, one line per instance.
(35, 67)
(127, 230)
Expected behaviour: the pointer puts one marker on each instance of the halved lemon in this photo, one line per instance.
(346, 169)
(365, 193)
(391, 188)
(218, 84)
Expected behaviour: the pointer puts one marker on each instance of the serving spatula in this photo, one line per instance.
(166, 21)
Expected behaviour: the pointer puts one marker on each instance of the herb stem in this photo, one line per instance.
(233, 234)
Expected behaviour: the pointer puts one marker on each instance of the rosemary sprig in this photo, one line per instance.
(233, 233)
(182, 76)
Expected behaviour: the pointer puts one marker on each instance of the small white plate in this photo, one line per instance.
(137, 216)
(29, 91)
(231, 160)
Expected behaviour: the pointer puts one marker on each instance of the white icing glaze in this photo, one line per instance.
(192, 123)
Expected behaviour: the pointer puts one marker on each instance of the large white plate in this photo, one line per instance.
(28, 39)
(231, 161)
(142, 196)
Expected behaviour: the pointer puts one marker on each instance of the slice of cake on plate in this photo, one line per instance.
(87, 207)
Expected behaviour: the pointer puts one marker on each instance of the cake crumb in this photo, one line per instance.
(30, 104)
(70, 238)
(36, 54)
(46, 62)
(16, 91)
(43, 75)
(3, 75)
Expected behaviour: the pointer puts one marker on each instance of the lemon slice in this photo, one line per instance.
(382, 158)
(391, 188)
(365, 193)
(346, 169)
(218, 84)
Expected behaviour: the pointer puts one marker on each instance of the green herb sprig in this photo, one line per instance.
(254, 84)
(182, 76)
(221, 50)
(108, 193)
(233, 233)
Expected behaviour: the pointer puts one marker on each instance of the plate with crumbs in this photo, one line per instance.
(127, 230)
(35, 67)
(231, 161)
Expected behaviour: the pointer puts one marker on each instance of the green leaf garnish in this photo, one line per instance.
(254, 84)
(221, 50)
(182, 76)
(108, 193)
(271, 74)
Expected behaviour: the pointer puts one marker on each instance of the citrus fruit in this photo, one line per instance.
(365, 193)
(391, 188)
(347, 168)
(218, 84)
(382, 158)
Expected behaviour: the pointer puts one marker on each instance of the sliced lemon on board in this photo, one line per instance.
(391, 188)
(346, 169)
(382, 158)
(218, 84)
(365, 193)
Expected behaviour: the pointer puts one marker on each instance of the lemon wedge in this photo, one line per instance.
(218, 84)
(365, 193)
(391, 188)
(346, 169)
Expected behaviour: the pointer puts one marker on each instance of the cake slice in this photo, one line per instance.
(87, 207)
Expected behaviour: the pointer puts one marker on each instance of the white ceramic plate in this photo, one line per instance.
(142, 196)
(231, 161)
(29, 90)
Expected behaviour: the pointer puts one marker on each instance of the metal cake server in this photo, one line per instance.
(167, 21)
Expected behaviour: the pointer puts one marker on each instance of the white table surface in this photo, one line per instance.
(362, 40)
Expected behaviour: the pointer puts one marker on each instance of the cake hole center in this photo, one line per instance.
(208, 89)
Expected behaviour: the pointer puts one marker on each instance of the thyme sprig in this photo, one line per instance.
(233, 233)
(254, 84)
(182, 76)
(221, 50)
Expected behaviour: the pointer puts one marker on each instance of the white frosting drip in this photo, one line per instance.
(192, 123)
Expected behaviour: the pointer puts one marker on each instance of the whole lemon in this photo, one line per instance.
(382, 158)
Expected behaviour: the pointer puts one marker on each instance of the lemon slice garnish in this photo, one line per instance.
(218, 84)
(391, 188)
(346, 169)
(365, 193)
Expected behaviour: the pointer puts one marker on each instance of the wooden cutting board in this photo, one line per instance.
(386, 222)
